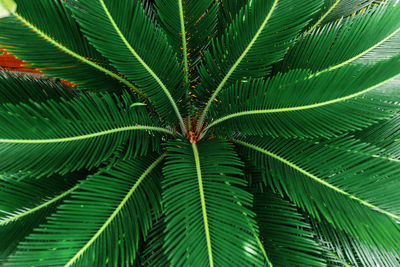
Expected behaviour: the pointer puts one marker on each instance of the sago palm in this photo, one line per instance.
(201, 133)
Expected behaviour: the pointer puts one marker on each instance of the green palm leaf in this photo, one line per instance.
(24, 204)
(328, 48)
(59, 53)
(110, 209)
(343, 181)
(227, 12)
(66, 135)
(277, 122)
(208, 222)
(385, 135)
(264, 40)
(294, 104)
(288, 239)
(189, 26)
(382, 134)
(349, 251)
(153, 252)
(16, 88)
(140, 53)
(337, 9)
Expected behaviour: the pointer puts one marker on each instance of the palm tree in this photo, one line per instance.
(201, 133)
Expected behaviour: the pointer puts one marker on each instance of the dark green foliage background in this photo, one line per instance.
(201, 133)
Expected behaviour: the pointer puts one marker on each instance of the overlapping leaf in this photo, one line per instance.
(258, 37)
(344, 249)
(17, 88)
(153, 252)
(288, 239)
(337, 9)
(24, 204)
(206, 211)
(54, 44)
(344, 181)
(189, 25)
(227, 11)
(106, 216)
(141, 53)
(340, 43)
(69, 134)
(294, 104)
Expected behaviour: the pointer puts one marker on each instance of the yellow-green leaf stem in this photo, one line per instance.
(75, 55)
(289, 109)
(323, 17)
(184, 45)
(41, 206)
(263, 251)
(356, 56)
(203, 203)
(141, 61)
(86, 136)
(317, 179)
(238, 61)
(116, 211)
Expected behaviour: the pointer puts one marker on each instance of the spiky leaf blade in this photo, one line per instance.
(106, 216)
(140, 53)
(344, 181)
(59, 53)
(295, 104)
(206, 211)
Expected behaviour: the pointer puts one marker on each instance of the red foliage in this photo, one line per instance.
(12, 63)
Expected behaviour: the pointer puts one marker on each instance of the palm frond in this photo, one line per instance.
(17, 88)
(227, 12)
(340, 43)
(106, 216)
(140, 53)
(25, 204)
(295, 104)
(154, 252)
(288, 239)
(348, 250)
(385, 135)
(206, 211)
(70, 134)
(344, 181)
(59, 53)
(333, 10)
(266, 29)
(382, 134)
(189, 25)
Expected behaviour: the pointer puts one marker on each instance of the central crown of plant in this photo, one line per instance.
(200, 133)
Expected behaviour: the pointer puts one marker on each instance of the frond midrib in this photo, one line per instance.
(87, 136)
(203, 203)
(317, 179)
(116, 211)
(184, 45)
(344, 63)
(66, 50)
(144, 64)
(238, 61)
(259, 243)
(323, 17)
(39, 207)
(298, 108)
